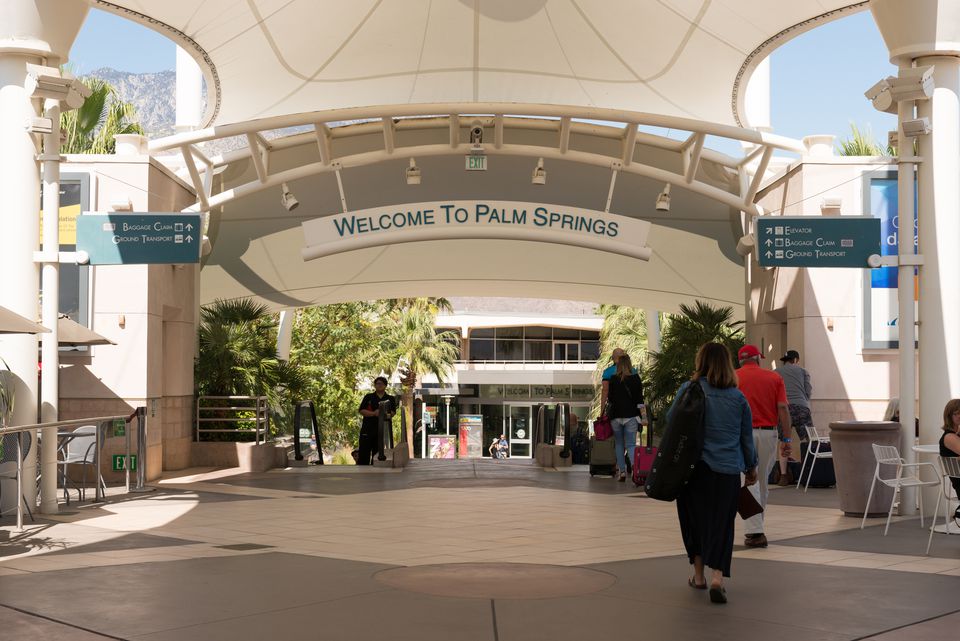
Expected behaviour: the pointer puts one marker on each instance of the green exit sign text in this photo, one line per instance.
(476, 163)
(120, 463)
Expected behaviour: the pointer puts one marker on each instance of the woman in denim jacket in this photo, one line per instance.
(707, 505)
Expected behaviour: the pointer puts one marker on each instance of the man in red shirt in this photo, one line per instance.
(767, 396)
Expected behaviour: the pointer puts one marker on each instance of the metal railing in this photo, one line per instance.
(102, 423)
(227, 413)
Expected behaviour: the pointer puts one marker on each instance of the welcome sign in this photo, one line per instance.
(476, 220)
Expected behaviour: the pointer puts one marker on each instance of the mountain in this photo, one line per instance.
(153, 95)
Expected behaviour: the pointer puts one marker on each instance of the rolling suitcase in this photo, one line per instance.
(643, 457)
(580, 447)
(603, 458)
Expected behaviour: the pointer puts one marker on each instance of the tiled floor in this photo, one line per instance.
(155, 566)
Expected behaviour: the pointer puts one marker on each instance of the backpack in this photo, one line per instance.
(681, 445)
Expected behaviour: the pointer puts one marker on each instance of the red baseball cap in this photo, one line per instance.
(748, 351)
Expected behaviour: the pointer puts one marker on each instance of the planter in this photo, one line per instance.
(854, 464)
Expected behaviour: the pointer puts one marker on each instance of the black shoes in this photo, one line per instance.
(755, 541)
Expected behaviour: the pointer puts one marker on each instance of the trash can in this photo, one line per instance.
(854, 464)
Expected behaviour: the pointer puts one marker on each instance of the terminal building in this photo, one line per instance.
(526, 160)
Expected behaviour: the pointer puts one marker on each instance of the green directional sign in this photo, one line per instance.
(814, 241)
(130, 239)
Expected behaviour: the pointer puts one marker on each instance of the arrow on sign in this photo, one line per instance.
(768, 254)
(189, 227)
(189, 239)
(769, 230)
(769, 242)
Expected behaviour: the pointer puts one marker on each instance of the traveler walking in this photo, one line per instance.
(707, 505)
(768, 404)
(605, 377)
(796, 380)
(370, 410)
(626, 406)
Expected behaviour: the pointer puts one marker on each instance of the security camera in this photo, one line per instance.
(48, 82)
(476, 135)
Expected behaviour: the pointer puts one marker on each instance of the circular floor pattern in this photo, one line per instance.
(497, 580)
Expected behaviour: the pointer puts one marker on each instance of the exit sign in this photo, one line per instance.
(120, 463)
(476, 163)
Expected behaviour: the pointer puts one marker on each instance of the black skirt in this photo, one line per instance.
(707, 507)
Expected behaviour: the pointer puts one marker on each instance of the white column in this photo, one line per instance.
(189, 93)
(906, 316)
(653, 330)
(19, 238)
(285, 333)
(757, 100)
(50, 301)
(939, 236)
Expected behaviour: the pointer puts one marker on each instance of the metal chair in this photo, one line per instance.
(814, 451)
(889, 455)
(950, 469)
(79, 450)
(8, 465)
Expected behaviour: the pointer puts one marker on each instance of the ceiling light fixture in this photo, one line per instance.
(413, 173)
(539, 174)
(287, 199)
(663, 199)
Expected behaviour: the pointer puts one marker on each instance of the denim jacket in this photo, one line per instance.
(728, 430)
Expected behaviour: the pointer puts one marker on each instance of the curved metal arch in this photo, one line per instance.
(549, 118)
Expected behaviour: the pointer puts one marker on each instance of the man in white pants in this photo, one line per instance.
(767, 396)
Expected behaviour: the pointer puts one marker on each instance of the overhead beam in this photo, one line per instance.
(498, 131)
(389, 135)
(323, 142)
(454, 130)
(255, 154)
(693, 159)
(187, 151)
(629, 144)
(757, 177)
(564, 134)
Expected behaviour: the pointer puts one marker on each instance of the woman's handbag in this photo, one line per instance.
(747, 505)
(602, 428)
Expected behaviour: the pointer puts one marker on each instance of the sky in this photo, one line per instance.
(817, 79)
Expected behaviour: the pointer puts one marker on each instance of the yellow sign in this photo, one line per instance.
(68, 224)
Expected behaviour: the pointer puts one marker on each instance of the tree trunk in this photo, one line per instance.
(407, 407)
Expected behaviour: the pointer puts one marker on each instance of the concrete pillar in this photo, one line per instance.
(285, 333)
(653, 330)
(36, 32)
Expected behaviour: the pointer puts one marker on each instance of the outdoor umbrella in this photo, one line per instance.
(72, 333)
(11, 323)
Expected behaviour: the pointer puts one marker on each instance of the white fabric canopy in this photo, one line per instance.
(687, 58)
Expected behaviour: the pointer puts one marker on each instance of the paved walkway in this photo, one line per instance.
(454, 550)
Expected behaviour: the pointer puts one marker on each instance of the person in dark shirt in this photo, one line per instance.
(370, 410)
(950, 441)
(626, 405)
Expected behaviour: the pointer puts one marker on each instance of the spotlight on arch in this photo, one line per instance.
(663, 199)
(539, 174)
(413, 173)
(287, 199)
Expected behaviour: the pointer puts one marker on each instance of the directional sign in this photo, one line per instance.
(130, 239)
(814, 241)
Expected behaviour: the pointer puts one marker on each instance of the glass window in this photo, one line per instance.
(538, 332)
(536, 350)
(509, 332)
(481, 332)
(589, 335)
(589, 350)
(562, 332)
(481, 349)
(510, 350)
(491, 391)
(516, 391)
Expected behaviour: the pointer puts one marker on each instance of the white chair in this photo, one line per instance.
(889, 455)
(815, 450)
(950, 469)
(79, 450)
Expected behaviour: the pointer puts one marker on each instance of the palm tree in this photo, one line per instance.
(862, 143)
(623, 327)
(681, 337)
(91, 128)
(415, 342)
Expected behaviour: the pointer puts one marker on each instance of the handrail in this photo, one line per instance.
(101, 423)
(297, 418)
(261, 416)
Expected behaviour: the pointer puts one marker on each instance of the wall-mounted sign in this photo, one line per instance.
(476, 162)
(813, 241)
(471, 220)
(125, 239)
